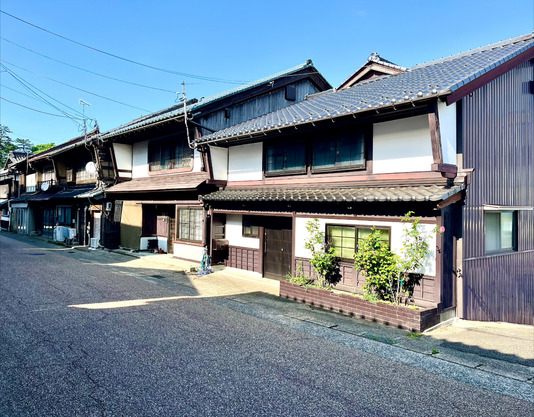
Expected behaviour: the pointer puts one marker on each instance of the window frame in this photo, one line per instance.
(190, 228)
(169, 144)
(285, 171)
(356, 227)
(514, 236)
(251, 222)
(60, 213)
(337, 136)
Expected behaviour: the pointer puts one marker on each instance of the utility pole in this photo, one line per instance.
(84, 105)
(184, 99)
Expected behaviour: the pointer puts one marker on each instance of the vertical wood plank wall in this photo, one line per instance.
(498, 143)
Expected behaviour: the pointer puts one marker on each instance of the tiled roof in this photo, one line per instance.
(358, 194)
(436, 78)
(175, 182)
(178, 110)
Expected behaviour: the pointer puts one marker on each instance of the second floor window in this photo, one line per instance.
(169, 154)
(48, 175)
(82, 174)
(286, 157)
(339, 152)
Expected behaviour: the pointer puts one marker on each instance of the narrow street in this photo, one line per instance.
(83, 334)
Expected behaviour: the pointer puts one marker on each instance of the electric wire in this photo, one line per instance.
(131, 61)
(39, 111)
(86, 70)
(77, 88)
(31, 88)
(19, 92)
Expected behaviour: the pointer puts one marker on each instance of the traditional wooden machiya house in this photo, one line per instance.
(451, 140)
(160, 175)
(9, 186)
(61, 192)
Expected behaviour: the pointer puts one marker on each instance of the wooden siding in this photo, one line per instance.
(497, 131)
(244, 258)
(256, 106)
(352, 280)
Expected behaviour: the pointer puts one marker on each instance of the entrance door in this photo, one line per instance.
(277, 247)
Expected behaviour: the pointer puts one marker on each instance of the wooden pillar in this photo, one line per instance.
(435, 133)
(438, 283)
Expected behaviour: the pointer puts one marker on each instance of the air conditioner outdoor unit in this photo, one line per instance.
(95, 242)
(71, 233)
(59, 234)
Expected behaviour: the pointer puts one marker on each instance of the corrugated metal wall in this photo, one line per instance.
(498, 142)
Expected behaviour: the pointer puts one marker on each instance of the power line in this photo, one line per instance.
(77, 88)
(31, 88)
(86, 70)
(183, 74)
(19, 92)
(39, 111)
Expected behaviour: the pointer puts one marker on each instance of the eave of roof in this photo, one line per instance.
(175, 182)
(369, 194)
(428, 81)
(178, 110)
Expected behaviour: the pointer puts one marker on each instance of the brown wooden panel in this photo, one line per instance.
(278, 243)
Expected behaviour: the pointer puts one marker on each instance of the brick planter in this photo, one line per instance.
(392, 315)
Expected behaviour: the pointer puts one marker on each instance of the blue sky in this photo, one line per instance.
(231, 40)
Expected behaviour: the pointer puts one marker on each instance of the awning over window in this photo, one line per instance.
(175, 182)
(49, 195)
(360, 194)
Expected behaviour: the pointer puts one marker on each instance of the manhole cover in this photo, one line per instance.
(36, 254)
(157, 276)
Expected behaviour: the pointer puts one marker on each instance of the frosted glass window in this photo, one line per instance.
(500, 231)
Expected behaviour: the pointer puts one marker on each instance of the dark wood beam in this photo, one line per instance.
(451, 200)
(435, 133)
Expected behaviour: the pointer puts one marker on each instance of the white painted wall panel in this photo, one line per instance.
(123, 156)
(234, 233)
(402, 145)
(447, 125)
(219, 162)
(31, 180)
(245, 162)
(140, 159)
(197, 162)
(188, 252)
(397, 231)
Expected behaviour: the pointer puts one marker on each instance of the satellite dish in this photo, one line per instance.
(45, 186)
(90, 167)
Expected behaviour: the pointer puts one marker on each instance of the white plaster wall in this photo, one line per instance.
(447, 126)
(245, 162)
(189, 252)
(162, 242)
(140, 159)
(123, 157)
(197, 161)
(31, 180)
(219, 162)
(402, 145)
(234, 233)
(396, 233)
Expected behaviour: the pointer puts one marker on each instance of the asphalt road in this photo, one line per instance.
(186, 356)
